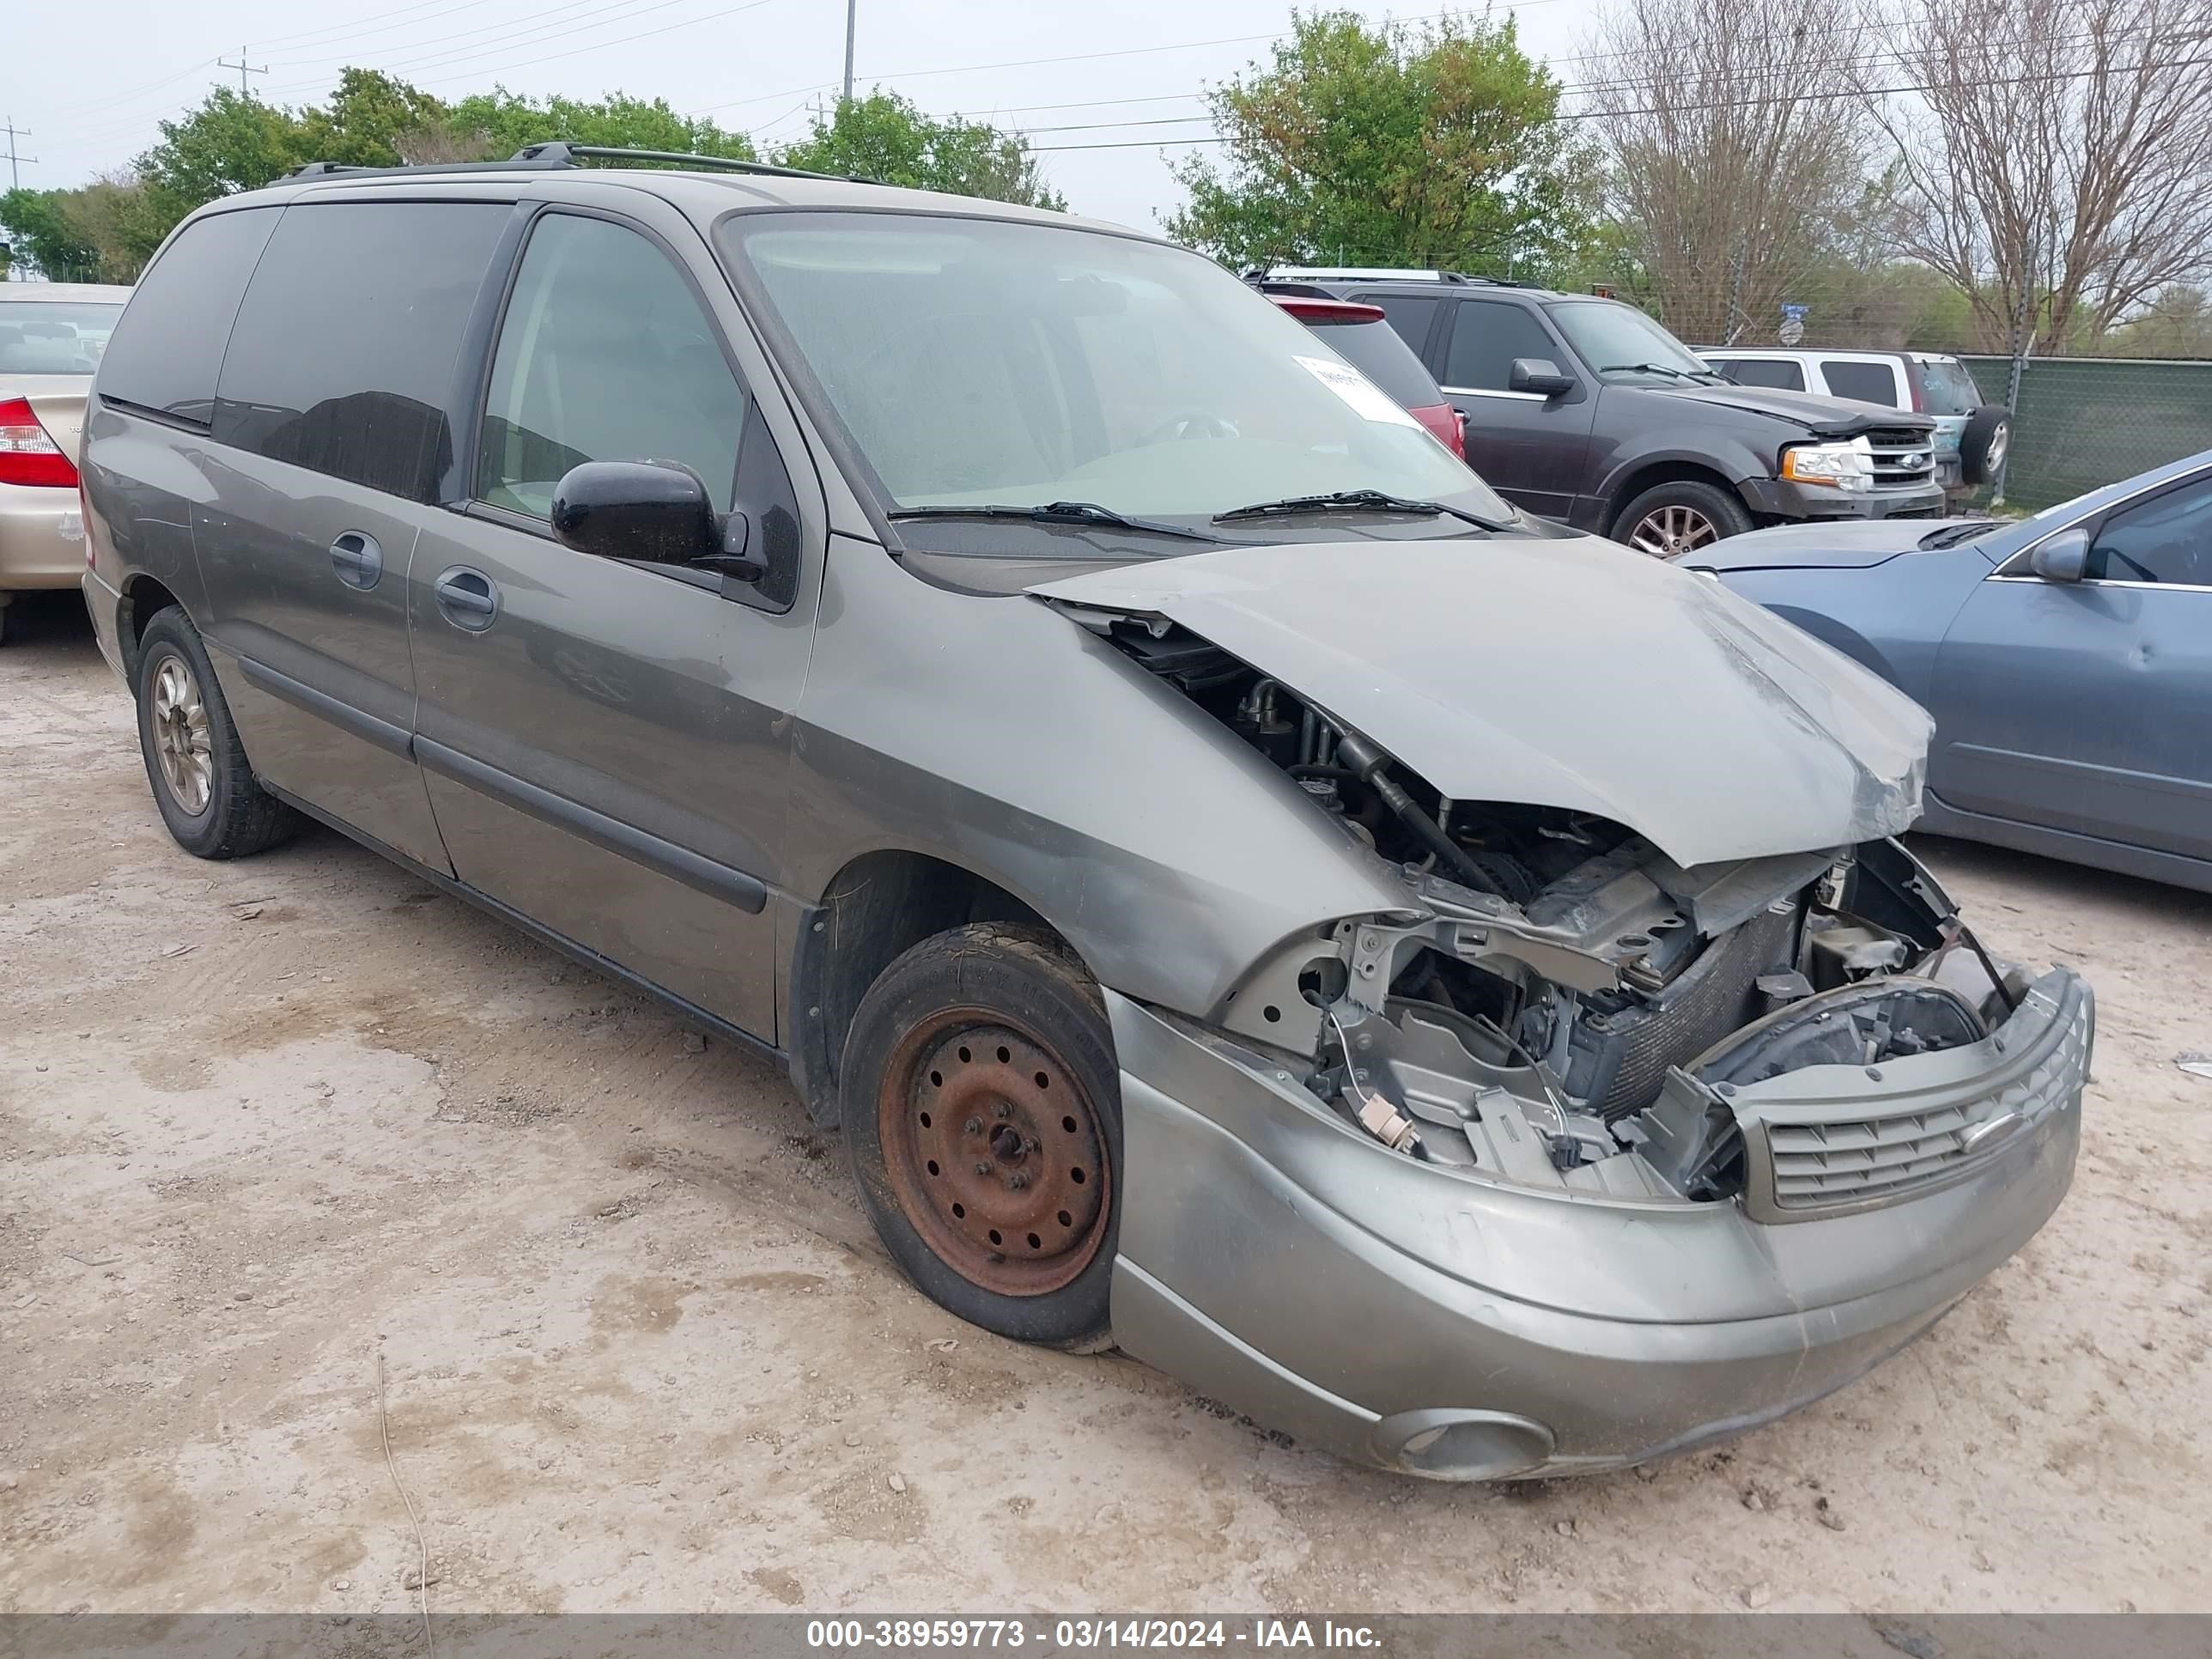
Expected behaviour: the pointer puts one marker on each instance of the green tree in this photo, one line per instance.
(884, 136)
(42, 235)
(1380, 144)
(496, 125)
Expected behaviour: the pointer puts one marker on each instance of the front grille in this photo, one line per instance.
(1902, 456)
(1844, 1161)
(1824, 1162)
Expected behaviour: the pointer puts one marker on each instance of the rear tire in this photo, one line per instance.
(1983, 444)
(1682, 517)
(982, 1116)
(202, 784)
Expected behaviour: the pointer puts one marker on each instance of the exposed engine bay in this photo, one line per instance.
(1567, 1007)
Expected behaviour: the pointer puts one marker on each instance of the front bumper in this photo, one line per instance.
(1779, 498)
(41, 537)
(1404, 1315)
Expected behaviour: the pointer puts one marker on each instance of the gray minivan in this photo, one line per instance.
(1227, 871)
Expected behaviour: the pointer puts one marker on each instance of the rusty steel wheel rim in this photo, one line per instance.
(994, 1153)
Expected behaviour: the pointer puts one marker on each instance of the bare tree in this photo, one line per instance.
(1734, 183)
(2056, 155)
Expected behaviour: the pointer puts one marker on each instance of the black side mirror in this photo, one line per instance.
(1538, 375)
(2064, 557)
(656, 510)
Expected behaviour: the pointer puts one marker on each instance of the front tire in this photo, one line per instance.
(982, 1116)
(1686, 516)
(202, 784)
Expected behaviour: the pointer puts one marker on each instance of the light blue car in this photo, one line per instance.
(2067, 659)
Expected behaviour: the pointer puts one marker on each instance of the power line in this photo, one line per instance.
(538, 21)
(374, 17)
(1083, 57)
(1738, 103)
(626, 11)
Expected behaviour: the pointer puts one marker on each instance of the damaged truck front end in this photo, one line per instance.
(1596, 1149)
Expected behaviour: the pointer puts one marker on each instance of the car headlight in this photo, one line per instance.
(1841, 465)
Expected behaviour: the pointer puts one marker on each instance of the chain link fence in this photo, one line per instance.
(2085, 422)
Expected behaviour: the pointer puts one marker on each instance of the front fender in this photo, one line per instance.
(998, 736)
(1709, 449)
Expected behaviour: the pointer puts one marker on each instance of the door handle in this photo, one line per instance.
(357, 559)
(467, 599)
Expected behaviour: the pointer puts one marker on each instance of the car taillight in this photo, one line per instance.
(1443, 423)
(28, 455)
(1915, 381)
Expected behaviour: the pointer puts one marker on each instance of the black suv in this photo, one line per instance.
(1585, 410)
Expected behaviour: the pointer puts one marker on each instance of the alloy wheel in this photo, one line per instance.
(1668, 532)
(181, 746)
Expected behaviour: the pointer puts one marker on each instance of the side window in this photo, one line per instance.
(168, 350)
(344, 355)
(605, 354)
(1410, 314)
(1486, 335)
(1778, 373)
(1863, 383)
(2167, 539)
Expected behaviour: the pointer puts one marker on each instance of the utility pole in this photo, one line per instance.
(244, 70)
(851, 7)
(15, 162)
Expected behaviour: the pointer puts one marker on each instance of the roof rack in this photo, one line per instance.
(557, 153)
(1376, 274)
(560, 153)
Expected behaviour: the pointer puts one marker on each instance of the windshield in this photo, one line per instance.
(1619, 343)
(53, 336)
(982, 361)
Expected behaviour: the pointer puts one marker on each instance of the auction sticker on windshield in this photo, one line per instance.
(1366, 398)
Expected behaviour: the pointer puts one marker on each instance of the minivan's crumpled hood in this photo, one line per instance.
(1570, 673)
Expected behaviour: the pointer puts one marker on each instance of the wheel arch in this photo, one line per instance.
(144, 599)
(1653, 471)
(879, 905)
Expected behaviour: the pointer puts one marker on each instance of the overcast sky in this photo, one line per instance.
(89, 81)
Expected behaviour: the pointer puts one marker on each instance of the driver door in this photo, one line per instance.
(606, 743)
(1530, 448)
(2080, 706)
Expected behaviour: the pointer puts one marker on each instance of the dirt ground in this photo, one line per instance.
(263, 1124)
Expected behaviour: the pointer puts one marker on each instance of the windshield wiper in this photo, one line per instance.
(1655, 368)
(1364, 500)
(1951, 535)
(1076, 513)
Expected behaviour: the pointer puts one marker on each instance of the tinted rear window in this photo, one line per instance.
(1411, 314)
(346, 349)
(1375, 350)
(168, 348)
(1863, 383)
(1948, 388)
(1778, 373)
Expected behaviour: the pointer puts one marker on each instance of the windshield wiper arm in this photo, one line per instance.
(1076, 513)
(1654, 368)
(1367, 500)
(1951, 535)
